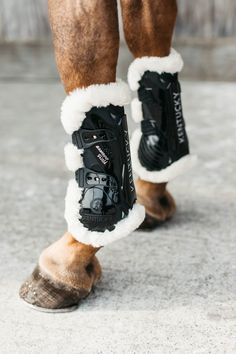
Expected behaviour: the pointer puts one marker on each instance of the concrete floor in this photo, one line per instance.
(176, 293)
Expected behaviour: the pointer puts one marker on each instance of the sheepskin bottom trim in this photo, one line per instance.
(97, 239)
(165, 175)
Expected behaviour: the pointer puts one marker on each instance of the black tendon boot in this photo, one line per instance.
(160, 149)
(100, 201)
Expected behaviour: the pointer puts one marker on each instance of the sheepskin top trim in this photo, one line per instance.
(171, 64)
(81, 100)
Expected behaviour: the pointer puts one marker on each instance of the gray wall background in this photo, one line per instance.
(23, 20)
(26, 20)
(205, 35)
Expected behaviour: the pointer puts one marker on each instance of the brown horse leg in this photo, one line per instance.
(86, 41)
(148, 27)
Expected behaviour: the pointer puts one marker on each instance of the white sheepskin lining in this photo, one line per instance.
(80, 101)
(75, 227)
(136, 110)
(73, 112)
(171, 64)
(73, 157)
(165, 175)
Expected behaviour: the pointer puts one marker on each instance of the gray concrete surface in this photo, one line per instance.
(169, 291)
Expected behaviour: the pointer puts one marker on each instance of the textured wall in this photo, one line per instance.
(27, 19)
(206, 18)
(23, 20)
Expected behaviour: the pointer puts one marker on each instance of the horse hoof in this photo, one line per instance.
(158, 202)
(42, 293)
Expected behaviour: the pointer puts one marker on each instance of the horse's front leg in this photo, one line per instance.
(159, 146)
(86, 41)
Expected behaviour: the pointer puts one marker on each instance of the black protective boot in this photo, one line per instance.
(160, 149)
(100, 201)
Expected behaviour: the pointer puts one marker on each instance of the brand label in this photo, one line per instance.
(101, 155)
(179, 117)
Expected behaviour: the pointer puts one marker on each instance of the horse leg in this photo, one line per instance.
(86, 42)
(148, 27)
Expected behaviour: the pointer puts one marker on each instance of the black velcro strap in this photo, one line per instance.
(149, 127)
(85, 138)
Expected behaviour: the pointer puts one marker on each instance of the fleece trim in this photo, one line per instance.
(97, 239)
(136, 110)
(80, 101)
(171, 64)
(73, 157)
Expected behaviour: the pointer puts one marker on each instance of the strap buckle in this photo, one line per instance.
(87, 178)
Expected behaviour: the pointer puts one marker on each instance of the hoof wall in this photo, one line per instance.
(44, 294)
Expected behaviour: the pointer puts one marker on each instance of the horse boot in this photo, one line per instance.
(101, 201)
(159, 147)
